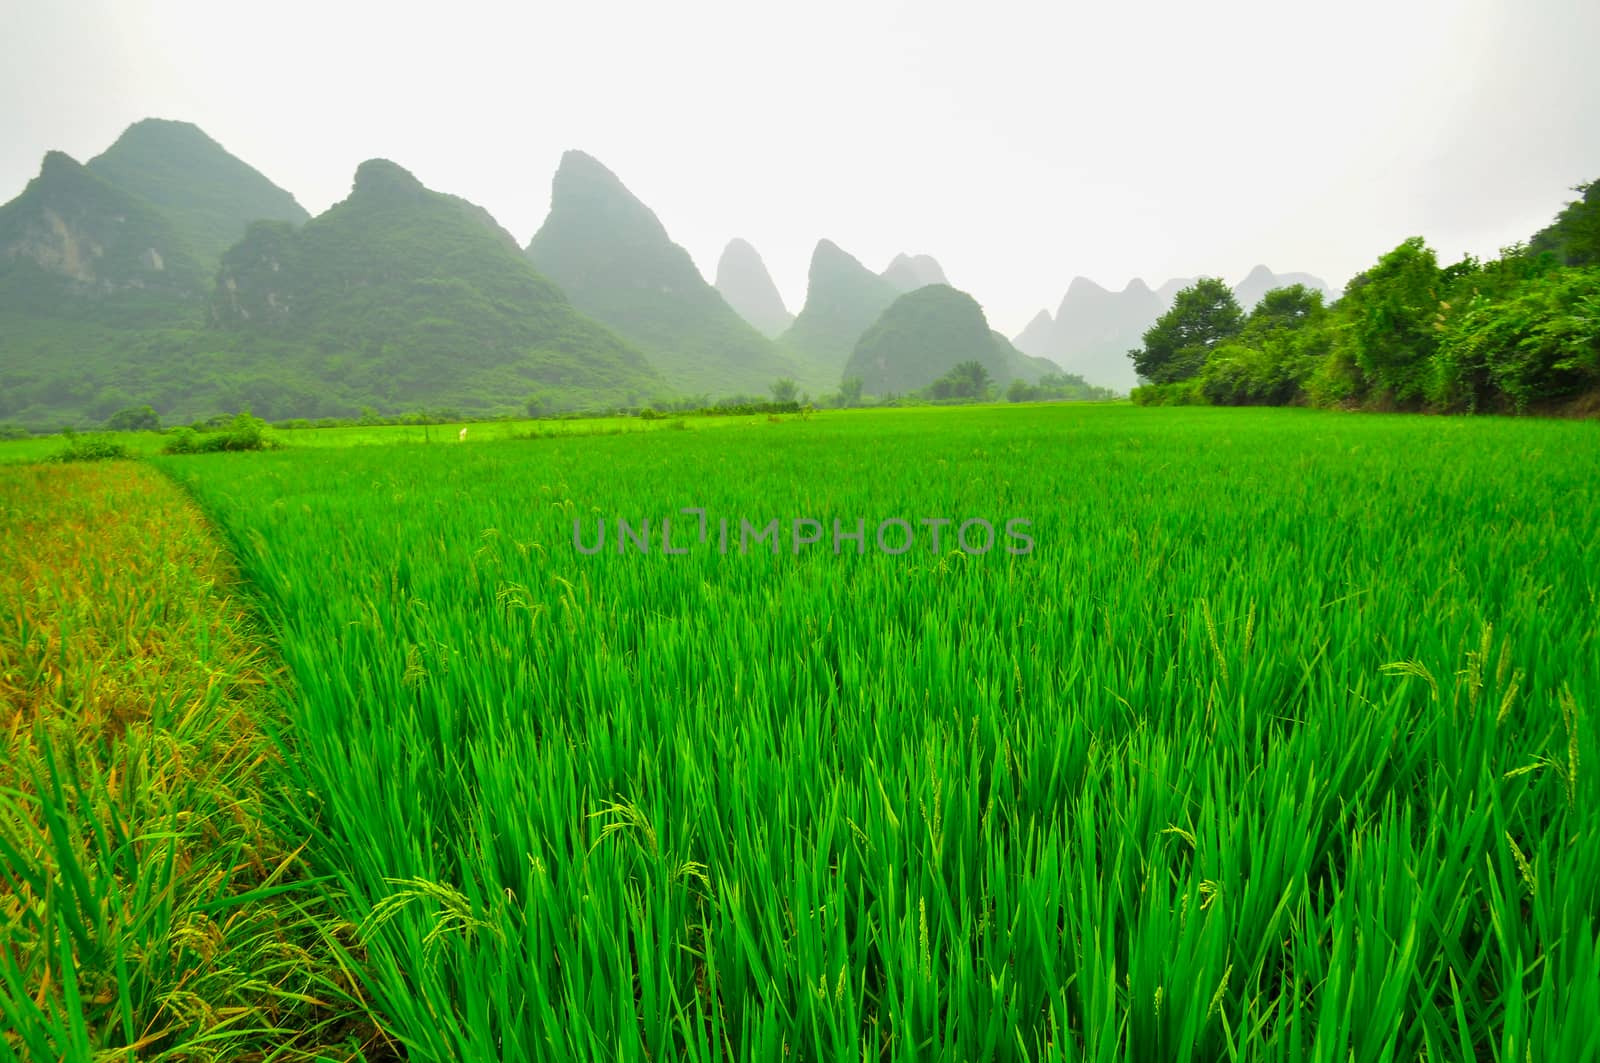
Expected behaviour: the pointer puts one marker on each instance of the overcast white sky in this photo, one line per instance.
(1019, 143)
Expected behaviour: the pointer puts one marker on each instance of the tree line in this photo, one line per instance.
(1517, 333)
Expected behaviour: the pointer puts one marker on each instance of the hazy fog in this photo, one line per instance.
(1019, 143)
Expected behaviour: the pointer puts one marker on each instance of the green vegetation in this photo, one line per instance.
(210, 196)
(1247, 759)
(1175, 348)
(612, 256)
(1573, 239)
(152, 903)
(967, 380)
(920, 337)
(244, 432)
(334, 434)
(1057, 387)
(1520, 333)
(134, 419)
(96, 446)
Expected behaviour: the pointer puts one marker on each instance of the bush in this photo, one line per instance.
(1541, 342)
(1237, 375)
(244, 432)
(1178, 393)
(13, 431)
(96, 446)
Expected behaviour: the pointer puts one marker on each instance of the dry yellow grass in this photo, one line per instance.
(150, 907)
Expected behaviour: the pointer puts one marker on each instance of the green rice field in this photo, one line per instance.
(1278, 744)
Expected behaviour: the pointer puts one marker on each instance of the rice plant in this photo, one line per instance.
(1280, 743)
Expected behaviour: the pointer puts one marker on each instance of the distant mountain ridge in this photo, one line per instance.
(425, 297)
(1261, 280)
(168, 270)
(614, 259)
(210, 195)
(843, 299)
(910, 272)
(924, 334)
(1094, 328)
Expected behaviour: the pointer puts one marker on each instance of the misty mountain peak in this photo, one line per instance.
(165, 132)
(210, 195)
(391, 181)
(910, 272)
(924, 334)
(58, 164)
(744, 282)
(1094, 328)
(586, 193)
(832, 267)
(1262, 280)
(462, 309)
(843, 299)
(617, 263)
(827, 253)
(581, 176)
(582, 165)
(1037, 338)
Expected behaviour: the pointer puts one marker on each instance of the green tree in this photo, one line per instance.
(965, 380)
(1394, 315)
(1175, 347)
(1283, 308)
(134, 419)
(971, 379)
(850, 391)
(1268, 363)
(784, 390)
(1574, 237)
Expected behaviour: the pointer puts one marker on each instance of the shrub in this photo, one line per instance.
(1541, 342)
(96, 446)
(244, 432)
(1178, 393)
